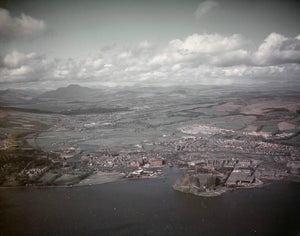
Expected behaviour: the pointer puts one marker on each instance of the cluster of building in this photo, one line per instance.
(278, 153)
(144, 172)
(121, 160)
(231, 171)
(237, 172)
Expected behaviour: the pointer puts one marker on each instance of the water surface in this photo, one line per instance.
(149, 207)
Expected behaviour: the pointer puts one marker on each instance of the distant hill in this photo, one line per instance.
(71, 92)
(16, 96)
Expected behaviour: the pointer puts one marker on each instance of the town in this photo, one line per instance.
(219, 144)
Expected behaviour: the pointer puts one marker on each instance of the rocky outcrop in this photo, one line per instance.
(205, 185)
(188, 184)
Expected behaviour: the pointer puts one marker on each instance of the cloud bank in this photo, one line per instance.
(17, 26)
(199, 59)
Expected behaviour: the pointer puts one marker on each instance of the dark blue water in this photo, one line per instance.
(149, 207)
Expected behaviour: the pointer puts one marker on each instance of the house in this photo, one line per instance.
(157, 162)
(196, 163)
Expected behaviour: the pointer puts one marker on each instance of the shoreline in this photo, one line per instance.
(123, 178)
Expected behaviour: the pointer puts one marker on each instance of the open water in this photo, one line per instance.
(149, 207)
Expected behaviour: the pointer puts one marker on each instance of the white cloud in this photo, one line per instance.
(15, 58)
(278, 49)
(204, 49)
(23, 25)
(209, 43)
(204, 8)
(235, 57)
(23, 70)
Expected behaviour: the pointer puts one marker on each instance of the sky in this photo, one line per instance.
(95, 43)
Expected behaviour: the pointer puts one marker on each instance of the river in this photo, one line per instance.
(149, 207)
